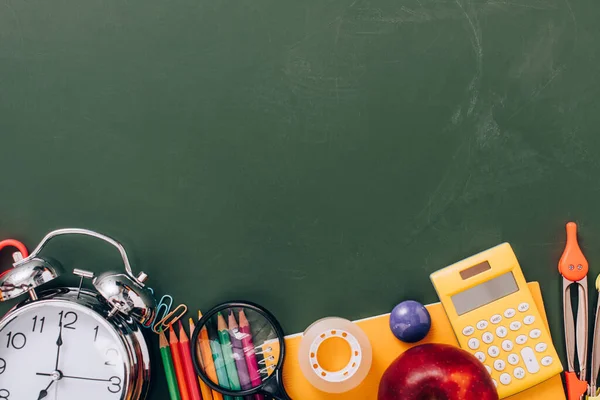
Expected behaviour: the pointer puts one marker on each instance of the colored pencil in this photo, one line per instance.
(178, 363)
(222, 331)
(249, 351)
(206, 392)
(188, 366)
(219, 362)
(238, 352)
(165, 353)
(205, 354)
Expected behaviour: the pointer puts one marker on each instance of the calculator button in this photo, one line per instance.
(523, 307)
(495, 383)
(528, 320)
(468, 331)
(493, 351)
(521, 339)
(515, 326)
(505, 379)
(534, 334)
(487, 338)
(473, 344)
(510, 313)
(496, 319)
(530, 361)
(507, 345)
(541, 347)
(499, 365)
(501, 332)
(489, 370)
(513, 359)
(480, 356)
(547, 361)
(481, 325)
(519, 373)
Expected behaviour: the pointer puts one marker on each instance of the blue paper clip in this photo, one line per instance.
(162, 310)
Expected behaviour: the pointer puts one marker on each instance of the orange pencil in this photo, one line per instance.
(207, 358)
(178, 364)
(188, 366)
(206, 394)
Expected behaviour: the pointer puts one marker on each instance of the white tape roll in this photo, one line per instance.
(355, 370)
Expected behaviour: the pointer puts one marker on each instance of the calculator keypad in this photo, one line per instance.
(499, 353)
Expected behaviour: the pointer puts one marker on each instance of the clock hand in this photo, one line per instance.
(59, 343)
(44, 392)
(75, 377)
(86, 379)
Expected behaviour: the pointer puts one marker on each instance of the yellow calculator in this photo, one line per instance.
(495, 318)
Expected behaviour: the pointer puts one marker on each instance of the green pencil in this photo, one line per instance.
(169, 369)
(234, 380)
(217, 355)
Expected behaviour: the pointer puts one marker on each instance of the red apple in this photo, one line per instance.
(436, 372)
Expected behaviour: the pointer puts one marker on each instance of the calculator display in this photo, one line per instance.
(485, 293)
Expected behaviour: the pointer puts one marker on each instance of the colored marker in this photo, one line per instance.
(238, 352)
(206, 392)
(249, 351)
(178, 364)
(165, 353)
(188, 366)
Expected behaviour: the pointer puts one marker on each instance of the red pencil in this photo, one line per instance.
(178, 364)
(188, 365)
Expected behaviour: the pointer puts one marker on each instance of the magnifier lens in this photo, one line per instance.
(238, 348)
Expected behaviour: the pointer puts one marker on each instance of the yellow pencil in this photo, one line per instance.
(203, 345)
(206, 392)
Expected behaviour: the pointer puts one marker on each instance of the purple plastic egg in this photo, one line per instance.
(410, 321)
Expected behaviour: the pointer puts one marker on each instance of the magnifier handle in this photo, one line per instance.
(274, 388)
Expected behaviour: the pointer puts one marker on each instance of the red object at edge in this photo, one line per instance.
(16, 244)
(575, 387)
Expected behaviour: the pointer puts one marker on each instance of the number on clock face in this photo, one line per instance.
(60, 351)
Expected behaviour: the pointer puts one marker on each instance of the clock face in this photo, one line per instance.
(60, 350)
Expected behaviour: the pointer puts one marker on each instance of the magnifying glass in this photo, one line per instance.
(238, 350)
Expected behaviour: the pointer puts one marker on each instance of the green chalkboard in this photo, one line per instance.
(320, 157)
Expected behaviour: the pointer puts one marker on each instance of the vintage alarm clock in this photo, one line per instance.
(73, 343)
